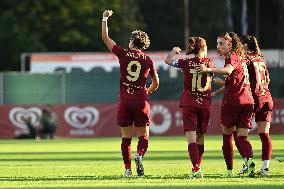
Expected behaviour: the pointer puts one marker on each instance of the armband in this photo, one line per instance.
(175, 64)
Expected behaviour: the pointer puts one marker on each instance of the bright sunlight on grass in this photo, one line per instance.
(97, 163)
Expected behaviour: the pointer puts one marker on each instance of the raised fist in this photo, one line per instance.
(176, 50)
(107, 13)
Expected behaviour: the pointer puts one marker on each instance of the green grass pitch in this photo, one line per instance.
(97, 163)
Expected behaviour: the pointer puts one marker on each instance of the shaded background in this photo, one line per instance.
(74, 26)
(30, 27)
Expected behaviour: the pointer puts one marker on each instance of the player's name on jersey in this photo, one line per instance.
(135, 55)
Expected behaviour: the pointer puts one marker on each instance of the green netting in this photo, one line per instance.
(96, 86)
(21, 88)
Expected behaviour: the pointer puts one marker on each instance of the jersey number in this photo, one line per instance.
(262, 78)
(246, 73)
(133, 75)
(196, 81)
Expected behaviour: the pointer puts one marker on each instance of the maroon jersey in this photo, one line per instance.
(196, 87)
(259, 78)
(135, 67)
(237, 86)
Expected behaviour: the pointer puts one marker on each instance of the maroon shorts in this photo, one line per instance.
(263, 111)
(133, 112)
(239, 116)
(195, 119)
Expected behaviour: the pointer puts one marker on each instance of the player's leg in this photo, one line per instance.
(246, 152)
(227, 149)
(244, 143)
(229, 119)
(189, 117)
(203, 121)
(244, 169)
(143, 135)
(237, 144)
(200, 145)
(125, 122)
(263, 119)
(192, 149)
(193, 153)
(263, 131)
(126, 133)
(141, 122)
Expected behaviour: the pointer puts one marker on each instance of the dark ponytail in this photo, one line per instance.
(251, 43)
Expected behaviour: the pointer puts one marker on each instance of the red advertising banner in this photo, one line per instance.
(99, 120)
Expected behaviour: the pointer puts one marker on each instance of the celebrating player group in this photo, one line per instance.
(245, 89)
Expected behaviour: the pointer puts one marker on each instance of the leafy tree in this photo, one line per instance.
(165, 21)
(59, 25)
(75, 25)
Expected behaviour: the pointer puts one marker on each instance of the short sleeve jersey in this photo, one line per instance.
(237, 86)
(196, 87)
(135, 67)
(259, 78)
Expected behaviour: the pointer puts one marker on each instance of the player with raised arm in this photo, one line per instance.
(237, 103)
(259, 81)
(133, 106)
(195, 99)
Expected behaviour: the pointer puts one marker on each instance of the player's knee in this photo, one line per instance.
(242, 132)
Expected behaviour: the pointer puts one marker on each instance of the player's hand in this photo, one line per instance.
(107, 13)
(219, 81)
(176, 50)
(201, 68)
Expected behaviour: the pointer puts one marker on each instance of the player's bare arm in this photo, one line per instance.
(170, 58)
(154, 85)
(106, 39)
(219, 81)
(218, 92)
(223, 71)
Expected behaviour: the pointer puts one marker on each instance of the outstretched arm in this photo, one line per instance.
(106, 39)
(170, 58)
(223, 71)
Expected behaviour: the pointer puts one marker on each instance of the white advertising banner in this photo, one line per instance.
(52, 62)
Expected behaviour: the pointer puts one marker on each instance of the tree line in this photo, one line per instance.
(75, 26)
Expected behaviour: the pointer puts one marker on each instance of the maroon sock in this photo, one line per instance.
(266, 146)
(245, 147)
(193, 153)
(201, 151)
(235, 134)
(228, 151)
(126, 152)
(142, 145)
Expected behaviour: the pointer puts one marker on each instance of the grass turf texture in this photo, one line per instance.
(97, 163)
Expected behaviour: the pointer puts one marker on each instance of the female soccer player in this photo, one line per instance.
(133, 107)
(195, 99)
(259, 81)
(237, 104)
